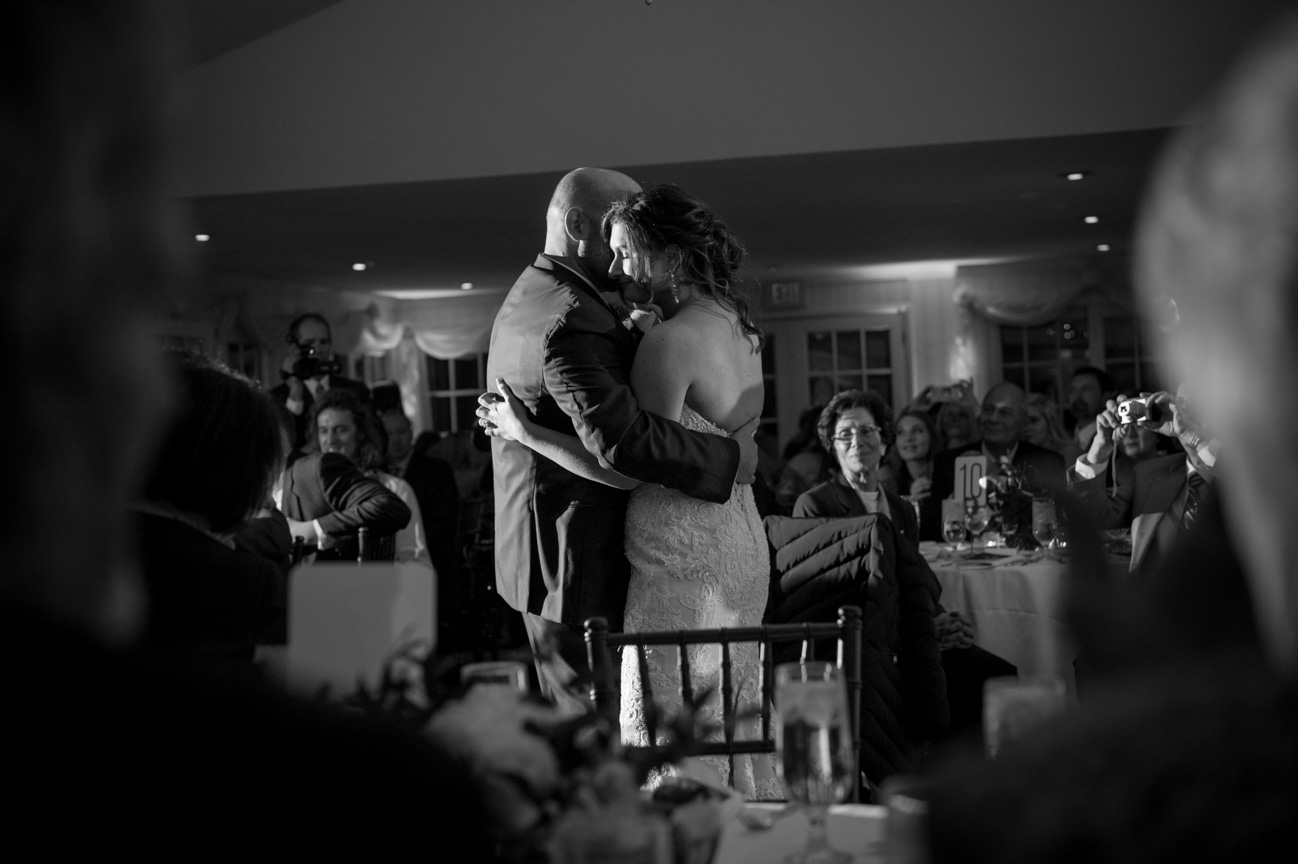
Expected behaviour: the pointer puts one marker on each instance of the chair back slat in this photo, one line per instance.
(647, 695)
(687, 684)
(846, 632)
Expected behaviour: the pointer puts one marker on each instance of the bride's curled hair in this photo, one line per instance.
(662, 216)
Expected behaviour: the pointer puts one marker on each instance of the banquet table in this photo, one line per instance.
(855, 828)
(1015, 606)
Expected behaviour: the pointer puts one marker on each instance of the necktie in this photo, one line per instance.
(1193, 495)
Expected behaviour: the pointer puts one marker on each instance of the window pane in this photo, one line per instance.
(439, 376)
(849, 350)
(1043, 379)
(768, 355)
(769, 408)
(878, 350)
(1124, 375)
(1041, 342)
(1074, 334)
(441, 410)
(466, 408)
(1012, 344)
(882, 384)
(1149, 378)
(850, 382)
(1119, 337)
(466, 374)
(819, 356)
(822, 390)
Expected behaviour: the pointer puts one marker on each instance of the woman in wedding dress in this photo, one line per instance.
(694, 564)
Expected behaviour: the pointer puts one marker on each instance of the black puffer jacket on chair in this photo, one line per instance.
(822, 563)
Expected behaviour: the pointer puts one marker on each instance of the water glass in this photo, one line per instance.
(814, 744)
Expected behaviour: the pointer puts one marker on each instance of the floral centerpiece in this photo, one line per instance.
(560, 787)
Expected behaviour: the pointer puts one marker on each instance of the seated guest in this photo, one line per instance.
(850, 424)
(1159, 497)
(346, 426)
(1000, 422)
(907, 469)
(806, 463)
(1044, 427)
(957, 424)
(435, 491)
(209, 602)
(90, 248)
(1088, 390)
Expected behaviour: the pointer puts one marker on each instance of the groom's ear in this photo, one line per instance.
(577, 224)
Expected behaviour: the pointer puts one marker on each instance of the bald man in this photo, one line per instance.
(561, 343)
(1000, 421)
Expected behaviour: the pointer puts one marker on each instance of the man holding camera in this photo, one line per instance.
(1159, 499)
(309, 370)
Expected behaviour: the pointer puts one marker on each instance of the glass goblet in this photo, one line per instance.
(814, 744)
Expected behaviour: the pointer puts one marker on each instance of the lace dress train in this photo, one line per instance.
(697, 565)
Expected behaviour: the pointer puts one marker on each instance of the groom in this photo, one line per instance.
(567, 354)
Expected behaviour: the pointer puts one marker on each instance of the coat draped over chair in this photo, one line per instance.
(820, 564)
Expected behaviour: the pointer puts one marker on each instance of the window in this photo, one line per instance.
(1094, 333)
(453, 390)
(840, 360)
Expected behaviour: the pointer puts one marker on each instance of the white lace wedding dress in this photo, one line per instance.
(697, 565)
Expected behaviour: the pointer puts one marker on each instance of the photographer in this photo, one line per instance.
(1160, 498)
(309, 370)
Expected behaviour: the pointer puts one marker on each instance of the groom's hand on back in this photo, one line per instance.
(747, 451)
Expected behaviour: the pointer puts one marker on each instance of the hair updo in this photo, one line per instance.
(662, 216)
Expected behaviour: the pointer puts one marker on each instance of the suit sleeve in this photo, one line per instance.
(605, 415)
(357, 501)
(1110, 510)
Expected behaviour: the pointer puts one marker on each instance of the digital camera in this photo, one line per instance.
(1140, 410)
(310, 365)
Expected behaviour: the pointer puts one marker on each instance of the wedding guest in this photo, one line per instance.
(90, 250)
(910, 463)
(1044, 426)
(806, 462)
(1088, 390)
(346, 426)
(210, 603)
(957, 425)
(433, 483)
(309, 370)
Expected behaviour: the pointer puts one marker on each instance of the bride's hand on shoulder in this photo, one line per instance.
(645, 317)
(504, 416)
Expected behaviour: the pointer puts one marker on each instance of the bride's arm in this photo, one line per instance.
(509, 420)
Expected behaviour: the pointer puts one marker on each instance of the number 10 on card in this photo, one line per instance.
(969, 472)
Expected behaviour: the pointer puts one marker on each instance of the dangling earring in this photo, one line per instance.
(675, 297)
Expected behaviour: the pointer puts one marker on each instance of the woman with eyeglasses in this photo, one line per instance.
(885, 574)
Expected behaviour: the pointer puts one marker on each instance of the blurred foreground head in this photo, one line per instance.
(1217, 269)
(83, 252)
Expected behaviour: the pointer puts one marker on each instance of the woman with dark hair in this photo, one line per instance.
(346, 425)
(208, 602)
(694, 564)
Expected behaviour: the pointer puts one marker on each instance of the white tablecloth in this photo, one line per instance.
(1015, 610)
(855, 828)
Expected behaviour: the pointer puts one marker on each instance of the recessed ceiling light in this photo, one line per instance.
(1103, 247)
(1077, 175)
(359, 265)
(1091, 220)
(465, 286)
(202, 238)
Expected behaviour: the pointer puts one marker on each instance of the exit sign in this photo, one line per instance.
(784, 295)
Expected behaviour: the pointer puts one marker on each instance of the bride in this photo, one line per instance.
(694, 564)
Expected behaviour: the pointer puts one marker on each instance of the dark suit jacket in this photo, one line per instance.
(559, 537)
(209, 605)
(328, 488)
(1044, 469)
(433, 482)
(1139, 500)
(302, 422)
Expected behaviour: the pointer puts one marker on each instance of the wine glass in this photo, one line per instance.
(977, 518)
(1044, 522)
(814, 742)
(953, 531)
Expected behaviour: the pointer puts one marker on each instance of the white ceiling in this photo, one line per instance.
(425, 137)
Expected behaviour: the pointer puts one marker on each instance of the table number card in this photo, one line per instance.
(969, 472)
